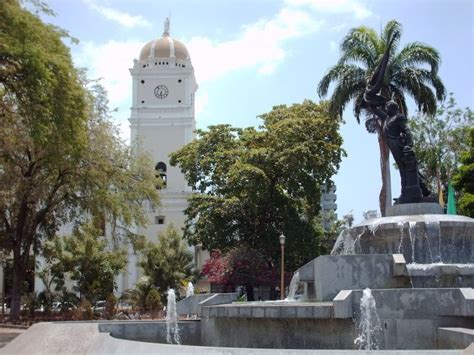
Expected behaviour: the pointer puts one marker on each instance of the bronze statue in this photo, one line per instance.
(397, 135)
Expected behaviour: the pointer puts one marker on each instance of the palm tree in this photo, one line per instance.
(413, 70)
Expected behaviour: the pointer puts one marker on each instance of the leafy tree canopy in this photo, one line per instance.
(439, 140)
(464, 179)
(252, 185)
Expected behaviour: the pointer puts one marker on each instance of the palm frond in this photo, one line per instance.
(350, 85)
(417, 53)
(439, 87)
(360, 44)
(415, 80)
(332, 75)
(426, 100)
(392, 32)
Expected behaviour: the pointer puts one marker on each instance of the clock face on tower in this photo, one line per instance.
(161, 91)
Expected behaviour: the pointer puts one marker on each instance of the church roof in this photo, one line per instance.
(164, 47)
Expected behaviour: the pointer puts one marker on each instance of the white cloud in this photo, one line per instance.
(110, 62)
(122, 18)
(355, 7)
(339, 27)
(259, 46)
(202, 98)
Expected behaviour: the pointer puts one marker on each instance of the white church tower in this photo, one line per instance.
(162, 121)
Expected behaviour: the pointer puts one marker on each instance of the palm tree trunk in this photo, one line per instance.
(385, 196)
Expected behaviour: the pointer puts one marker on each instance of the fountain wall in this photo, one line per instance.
(420, 238)
(152, 331)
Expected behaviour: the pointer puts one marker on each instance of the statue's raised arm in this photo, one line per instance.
(376, 82)
(373, 100)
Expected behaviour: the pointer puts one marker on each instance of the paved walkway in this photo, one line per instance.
(8, 334)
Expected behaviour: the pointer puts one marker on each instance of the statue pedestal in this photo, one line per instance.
(410, 209)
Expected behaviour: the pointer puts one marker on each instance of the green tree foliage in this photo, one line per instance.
(139, 293)
(168, 261)
(252, 185)
(88, 259)
(412, 70)
(60, 158)
(153, 301)
(464, 179)
(439, 140)
(67, 299)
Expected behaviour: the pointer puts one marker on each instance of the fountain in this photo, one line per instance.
(369, 326)
(189, 289)
(172, 329)
(418, 269)
(293, 289)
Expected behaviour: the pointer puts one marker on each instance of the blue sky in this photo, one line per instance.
(250, 55)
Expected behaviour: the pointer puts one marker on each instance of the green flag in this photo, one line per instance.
(451, 200)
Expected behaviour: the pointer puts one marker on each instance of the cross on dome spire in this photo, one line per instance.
(166, 31)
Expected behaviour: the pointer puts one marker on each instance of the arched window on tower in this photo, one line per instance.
(161, 172)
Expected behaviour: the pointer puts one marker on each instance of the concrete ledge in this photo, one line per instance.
(468, 301)
(271, 310)
(399, 265)
(455, 338)
(215, 299)
(343, 304)
(427, 270)
(410, 209)
(190, 304)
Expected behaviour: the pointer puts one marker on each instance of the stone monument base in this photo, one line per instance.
(410, 209)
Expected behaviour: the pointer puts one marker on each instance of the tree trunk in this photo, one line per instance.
(385, 196)
(438, 187)
(250, 293)
(17, 281)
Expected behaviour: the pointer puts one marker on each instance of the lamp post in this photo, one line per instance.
(3, 263)
(282, 280)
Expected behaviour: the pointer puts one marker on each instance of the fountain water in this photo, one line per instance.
(189, 289)
(294, 283)
(412, 236)
(369, 327)
(172, 330)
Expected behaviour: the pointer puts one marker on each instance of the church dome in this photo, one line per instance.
(164, 47)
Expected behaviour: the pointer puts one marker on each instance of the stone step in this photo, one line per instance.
(455, 338)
